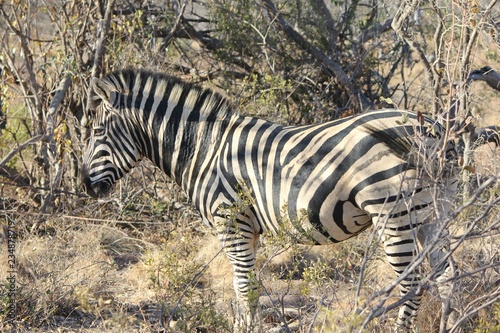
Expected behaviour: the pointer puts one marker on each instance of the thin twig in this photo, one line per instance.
(98, 56)
(175, 27)
(20, 147)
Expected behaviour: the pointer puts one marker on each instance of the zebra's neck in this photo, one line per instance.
(179, 125)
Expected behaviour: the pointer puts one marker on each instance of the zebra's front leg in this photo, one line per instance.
(241, 250)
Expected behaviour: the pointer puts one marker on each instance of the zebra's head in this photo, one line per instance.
(111, 151)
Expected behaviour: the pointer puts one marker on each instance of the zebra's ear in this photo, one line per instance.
(103, 90)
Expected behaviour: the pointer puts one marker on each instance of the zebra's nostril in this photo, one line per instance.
(96, 190)
(87, 187)
(87, 183)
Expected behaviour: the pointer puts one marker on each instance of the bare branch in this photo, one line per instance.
(376, 30)
(51, 117)
(15, 26)
(489, 298)
(99, 54)
(8, 172)
(49, 154)
(176, 25)
(20, 147)
(360, 101)
(320, 7)
(398, 22)
(475, 33)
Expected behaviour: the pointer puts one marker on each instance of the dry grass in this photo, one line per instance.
(128, 273)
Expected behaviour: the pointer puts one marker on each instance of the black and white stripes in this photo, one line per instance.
(321, 183)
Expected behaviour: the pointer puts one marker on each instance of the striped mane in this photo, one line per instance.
(133, 82)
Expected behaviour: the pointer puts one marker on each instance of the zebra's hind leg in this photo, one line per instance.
(443, 267)
(241, 252)
(401, 249)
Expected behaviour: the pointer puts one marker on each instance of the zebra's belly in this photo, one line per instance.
(346, 221)
(327, 225)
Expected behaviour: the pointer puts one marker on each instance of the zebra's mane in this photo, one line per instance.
(130, 81)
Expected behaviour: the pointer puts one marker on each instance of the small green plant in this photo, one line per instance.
(492, 55)
(333, 323)
(239, 209)
(172, 268)
(89, 303)
(317, 272)
(176, 277)
(489, 323)
(201, 315)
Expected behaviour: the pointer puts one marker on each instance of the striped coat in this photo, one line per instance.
(320, 183)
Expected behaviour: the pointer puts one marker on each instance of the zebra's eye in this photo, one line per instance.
(98, 130)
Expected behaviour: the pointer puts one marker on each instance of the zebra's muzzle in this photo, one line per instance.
(97, 189)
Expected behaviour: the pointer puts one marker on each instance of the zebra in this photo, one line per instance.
(320, 183)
